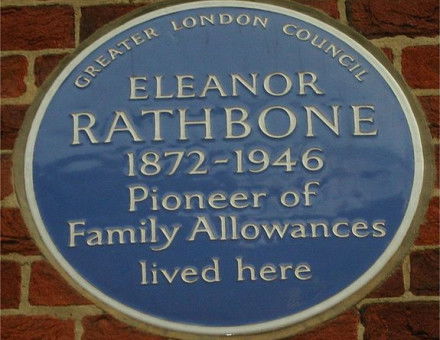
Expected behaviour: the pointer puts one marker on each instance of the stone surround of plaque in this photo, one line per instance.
(218, 168)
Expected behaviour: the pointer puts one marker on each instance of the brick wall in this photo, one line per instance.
(37, 303)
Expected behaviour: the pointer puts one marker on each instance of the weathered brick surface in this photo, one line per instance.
(391, 287)
(11, 120)
(38, 27)
(105, 327)
(13, 73)
(328, 6)
(6, 167)
(420, 66)
(343, 327)
(381, 18)
(398, 321)
(10, 284)
(429, 230)
(14, 234)
(44, 65)
(94, 17)
(431, 106)
(48, 288)
(425, 272)
(36, 327)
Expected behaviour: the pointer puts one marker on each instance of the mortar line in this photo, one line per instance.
(405, 41)
(71, 312)
(406, 273)
(426, 92)
(33, 3)
(37, 53)
(23, 100)
(10, 201)
(408, 297)
(342, 9)
(361, 329)
(22, 259)
(425, 247)
(24, 288)
(30, 78)
(397, 58)
(79, 330)
(78, 14)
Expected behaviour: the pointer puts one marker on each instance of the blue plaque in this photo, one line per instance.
(224, 168)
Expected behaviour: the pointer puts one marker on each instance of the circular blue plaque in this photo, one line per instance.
(224, 167)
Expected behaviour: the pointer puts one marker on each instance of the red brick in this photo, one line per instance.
(10, 284)
(36, 327)
(13, 73)
(429, 230)
(380, 18)
(44, 65)
(343, 327)
(11, 120)
(389, 53)
(94, 17)
(105, 327)
(328, 6)
(436, 166)
(425, 272)
(6, 184)
(420, 66)
(398, 321)
(14, 234)
(391, 287)
(39, 27)
(431, 106)
(48, 288)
